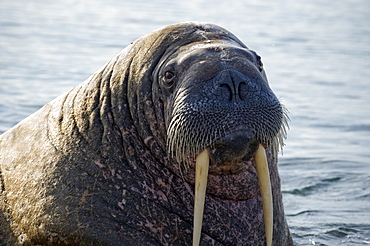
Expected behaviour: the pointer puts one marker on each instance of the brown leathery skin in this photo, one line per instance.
(92, 168)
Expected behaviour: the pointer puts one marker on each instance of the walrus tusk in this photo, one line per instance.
(201, 175)
(266, 194)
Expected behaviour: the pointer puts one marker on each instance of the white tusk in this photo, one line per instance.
(201, 176)
(265, 187)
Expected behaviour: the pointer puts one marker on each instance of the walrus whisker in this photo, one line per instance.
(181, 143)
(278, 140)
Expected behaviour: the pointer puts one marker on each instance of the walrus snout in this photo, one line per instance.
(229, 154)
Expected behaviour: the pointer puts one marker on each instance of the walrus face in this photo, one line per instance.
(221, 110)
(217, 97)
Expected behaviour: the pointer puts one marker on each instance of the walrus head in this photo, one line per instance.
(217, 97)
(220, 108)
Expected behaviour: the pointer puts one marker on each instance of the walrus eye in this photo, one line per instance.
(169, 75)
(259, 64)
(169, 78)
(258, 61)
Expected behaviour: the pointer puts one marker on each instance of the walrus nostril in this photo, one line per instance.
(230, 85)
(243, 90)
(227, 92)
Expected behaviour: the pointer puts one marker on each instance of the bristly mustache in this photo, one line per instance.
(194, 127)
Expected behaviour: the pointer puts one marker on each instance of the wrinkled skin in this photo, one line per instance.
(95, 165)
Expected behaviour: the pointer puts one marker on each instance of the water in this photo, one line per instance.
(317, 57)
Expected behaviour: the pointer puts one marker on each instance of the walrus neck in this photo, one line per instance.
(86, 113)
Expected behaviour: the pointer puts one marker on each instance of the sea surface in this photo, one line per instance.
(316, 54)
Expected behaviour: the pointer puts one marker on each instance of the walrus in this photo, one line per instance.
(173, 142)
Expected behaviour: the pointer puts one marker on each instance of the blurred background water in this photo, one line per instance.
(316, 54)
